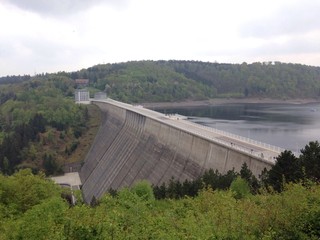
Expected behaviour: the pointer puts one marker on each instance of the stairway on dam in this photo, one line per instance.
(134, 143)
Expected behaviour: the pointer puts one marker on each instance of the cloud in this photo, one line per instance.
(62, 8)
(293, 18)
(294, 47)
(51, 35)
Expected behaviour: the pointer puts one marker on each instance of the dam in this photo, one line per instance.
(135, 143)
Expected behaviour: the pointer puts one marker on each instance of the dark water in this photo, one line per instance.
(288, 126)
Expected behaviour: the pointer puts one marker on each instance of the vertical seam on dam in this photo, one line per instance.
(225, 161)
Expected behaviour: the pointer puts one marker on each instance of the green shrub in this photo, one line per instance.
(240, 188)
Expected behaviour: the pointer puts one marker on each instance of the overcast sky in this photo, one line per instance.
(39, 36)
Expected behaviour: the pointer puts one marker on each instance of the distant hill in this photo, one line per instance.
(14, 79)
(152, 81)
(169, 81)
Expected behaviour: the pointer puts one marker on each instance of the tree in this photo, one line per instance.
(38, 123)
(310, 160)
(240, 188)
(6, 166)
(43, 221)
(144, 190)
(23, 190)
(286, 169)
(160, 191)
(246, 174)
(50, 164)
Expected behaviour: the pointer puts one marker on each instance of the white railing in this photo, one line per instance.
(241, 138)
(270, 154)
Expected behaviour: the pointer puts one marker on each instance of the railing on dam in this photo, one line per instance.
(270, 155)
(266, 155)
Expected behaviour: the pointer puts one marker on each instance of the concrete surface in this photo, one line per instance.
(72, 179)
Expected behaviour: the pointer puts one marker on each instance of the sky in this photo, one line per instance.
(40, 36)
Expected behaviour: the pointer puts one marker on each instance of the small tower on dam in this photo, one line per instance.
(82, 96)
(100, 96)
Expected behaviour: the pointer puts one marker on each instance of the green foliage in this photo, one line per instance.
(23, 190)
(145, 81)
(36, 114)
(44, 221)
(144, 190)
(210, 179)
(246, 174)
(288, 168)
(50, 165)
(151, 81)
(291, 214)
(14, 79)
(310, 160)
(240, 188)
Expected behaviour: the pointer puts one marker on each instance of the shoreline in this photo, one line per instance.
(220, 101)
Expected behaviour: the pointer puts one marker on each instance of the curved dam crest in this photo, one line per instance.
(134, 144)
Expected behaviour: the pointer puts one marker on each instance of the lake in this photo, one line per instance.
(289, 126)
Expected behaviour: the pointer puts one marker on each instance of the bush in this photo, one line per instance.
(240, 188)
(144, 190)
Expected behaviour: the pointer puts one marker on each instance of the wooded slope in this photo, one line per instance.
(152, 81)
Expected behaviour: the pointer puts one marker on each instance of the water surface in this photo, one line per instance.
(289, 126)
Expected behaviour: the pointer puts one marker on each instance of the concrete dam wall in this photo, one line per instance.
(131, 146)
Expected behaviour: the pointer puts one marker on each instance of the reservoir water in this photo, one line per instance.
(289, 126)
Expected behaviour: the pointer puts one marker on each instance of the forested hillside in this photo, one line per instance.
(154, 81)
(40, 124)
(151, 81)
